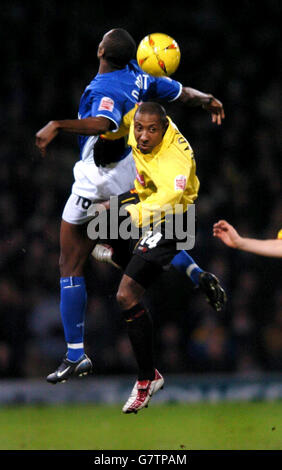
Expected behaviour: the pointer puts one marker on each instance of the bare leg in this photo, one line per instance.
(75, 248)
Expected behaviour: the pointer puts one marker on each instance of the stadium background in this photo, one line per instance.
(48, 55)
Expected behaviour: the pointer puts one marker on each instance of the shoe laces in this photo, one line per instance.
(140, 398)
(142, 394)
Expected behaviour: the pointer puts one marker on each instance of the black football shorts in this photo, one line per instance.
(144, 257)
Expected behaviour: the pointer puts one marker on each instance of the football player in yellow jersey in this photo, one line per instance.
(166, 176)
(229, 235)
(165, 165)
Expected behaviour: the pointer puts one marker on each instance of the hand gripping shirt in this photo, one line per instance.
(165, 178)
(114, 95)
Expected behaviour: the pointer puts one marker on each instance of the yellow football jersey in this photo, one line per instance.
(165, 177)
(279, 235)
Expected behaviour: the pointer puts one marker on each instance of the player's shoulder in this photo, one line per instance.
(103, 85)
(133, 65)
(179, 142)
(122, 77)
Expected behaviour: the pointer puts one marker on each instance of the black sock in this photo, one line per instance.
(140, 332)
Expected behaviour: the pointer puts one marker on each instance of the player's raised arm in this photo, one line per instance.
(159, 55)
(192, 97)
(87, 126)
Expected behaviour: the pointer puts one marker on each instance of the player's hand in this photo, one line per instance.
(227, 233)
(45, 136)
(215, 107)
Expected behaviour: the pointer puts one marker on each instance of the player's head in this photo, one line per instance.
(117, 47)
(150, 125)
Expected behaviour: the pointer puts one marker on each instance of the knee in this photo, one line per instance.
(129, 293)
(126, 297)
(123, 299)
(71, 263)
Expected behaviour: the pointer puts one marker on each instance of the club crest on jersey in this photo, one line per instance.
(106, 104)
(180, 182)
(140, 178)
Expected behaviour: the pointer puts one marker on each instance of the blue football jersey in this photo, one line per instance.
(113, 95)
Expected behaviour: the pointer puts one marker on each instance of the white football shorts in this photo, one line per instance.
(95, 184)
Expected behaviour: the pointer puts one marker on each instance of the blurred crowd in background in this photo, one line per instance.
(49, 56)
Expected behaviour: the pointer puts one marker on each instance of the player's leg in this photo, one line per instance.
(99, 184)
(75, 247)
(206, 281)
(184, 263)
(139, 325)
(140, 332)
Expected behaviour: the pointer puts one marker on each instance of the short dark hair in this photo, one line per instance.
(151, 107)
(119, 47)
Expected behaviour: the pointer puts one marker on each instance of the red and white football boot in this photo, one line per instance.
(142, 393)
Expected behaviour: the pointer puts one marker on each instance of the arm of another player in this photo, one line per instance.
(87, 126)
(192, 97)
(228, 235)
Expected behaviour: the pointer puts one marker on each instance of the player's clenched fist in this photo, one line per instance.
(45, 136)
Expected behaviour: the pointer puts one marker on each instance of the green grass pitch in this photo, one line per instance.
(200, 426)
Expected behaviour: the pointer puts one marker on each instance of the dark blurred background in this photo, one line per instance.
(48, 56)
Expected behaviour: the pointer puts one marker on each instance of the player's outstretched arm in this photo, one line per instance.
(227, 233)
(192, 97)
(86, 126)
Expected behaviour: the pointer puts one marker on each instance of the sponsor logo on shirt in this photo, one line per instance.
(180, 182)
(106, 104)
(140, 178)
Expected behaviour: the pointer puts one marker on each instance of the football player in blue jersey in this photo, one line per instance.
(106, 167)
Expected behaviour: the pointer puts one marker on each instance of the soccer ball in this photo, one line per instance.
(158, 54)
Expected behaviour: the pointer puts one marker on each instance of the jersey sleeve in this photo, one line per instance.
(163, 88)
(108, 106)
